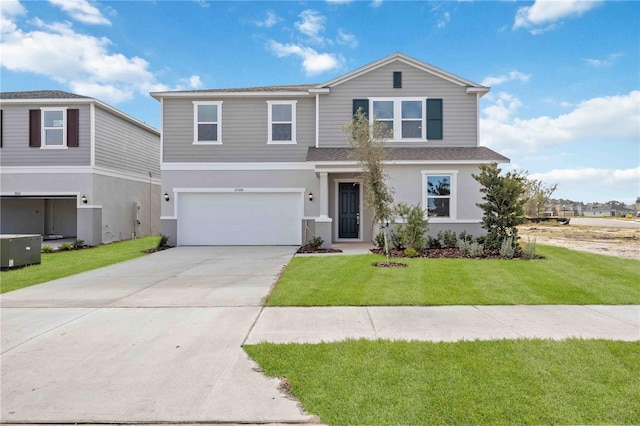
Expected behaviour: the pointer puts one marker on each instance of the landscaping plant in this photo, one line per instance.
(412, 232)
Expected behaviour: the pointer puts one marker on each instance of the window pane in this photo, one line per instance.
(53, 137)
(411, 109)
(438, 185)
(281, 113)
(389, 125)
(438, 207)
(383, 109)
(207, 113)
(411, 129)
(53, 119)
(281, 132)
(207, 132)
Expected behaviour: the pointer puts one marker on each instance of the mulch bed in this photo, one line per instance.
(447, 253)
(390, 264)
(307, 249)
(159, 248)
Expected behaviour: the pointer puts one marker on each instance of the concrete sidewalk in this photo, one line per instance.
(446, 323)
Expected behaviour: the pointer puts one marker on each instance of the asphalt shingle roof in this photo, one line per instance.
(41, 94)
(287, 88)
(443, 154)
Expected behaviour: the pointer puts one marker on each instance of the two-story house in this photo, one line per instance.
(271, 165)
(74, 167)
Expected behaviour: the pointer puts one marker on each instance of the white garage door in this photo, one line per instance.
(240, 218)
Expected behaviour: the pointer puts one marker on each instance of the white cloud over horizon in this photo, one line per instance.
(544, 15)
(608, 117)
(312, 61)
(504, 78)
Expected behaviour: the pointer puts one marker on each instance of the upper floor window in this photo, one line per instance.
(207, 122)
(282, 122)
(54, 127)
(408, 119)
(439, 194)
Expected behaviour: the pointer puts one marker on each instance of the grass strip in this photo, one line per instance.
(64, 263)
(564, 277)
(470, 382)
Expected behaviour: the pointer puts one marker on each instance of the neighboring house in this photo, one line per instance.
(74, 167)
(270, 165)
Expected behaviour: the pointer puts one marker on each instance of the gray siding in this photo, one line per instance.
(124, 146)
(15, 149)
(459, 108)
(244, 132)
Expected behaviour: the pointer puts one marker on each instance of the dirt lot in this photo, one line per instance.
(612, 241)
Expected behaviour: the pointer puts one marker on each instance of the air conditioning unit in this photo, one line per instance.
(19, 250)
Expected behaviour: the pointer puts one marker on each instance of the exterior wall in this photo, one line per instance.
(244, 132)
(124, 146)
(460, 109)
(15, 149)
(117, 197)
(22, 216)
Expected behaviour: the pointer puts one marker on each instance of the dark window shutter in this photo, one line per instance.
(34, 128)
(73, 127)
(397, 79)
(434, 118)
(361, 103)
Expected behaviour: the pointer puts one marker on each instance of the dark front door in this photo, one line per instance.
(348, 210)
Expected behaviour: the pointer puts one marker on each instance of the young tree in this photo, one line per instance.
(537, 196)
(367, 140)
(503, 204)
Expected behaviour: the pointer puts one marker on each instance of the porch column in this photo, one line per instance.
(324, 194)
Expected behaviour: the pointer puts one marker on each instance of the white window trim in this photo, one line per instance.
(397, 117)
(270, 140)
(43, 133)
(453, 203)
(195, 123)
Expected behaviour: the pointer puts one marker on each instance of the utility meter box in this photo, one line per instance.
(19, 250)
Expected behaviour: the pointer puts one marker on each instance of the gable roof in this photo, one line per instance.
(469, 155)
(41, 94)
(470, 85)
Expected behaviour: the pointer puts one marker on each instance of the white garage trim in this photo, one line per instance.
(239, 216)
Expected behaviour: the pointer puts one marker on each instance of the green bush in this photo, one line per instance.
(379, 240)
(465, 247)
(412, 232)
(315, 243)
(507, 249)
(477, 249)
(46, 249)
(164, 241)
(465, 236)
(529, 250)
(396, 241)
(65, 247)
(78, 244)
(433, 242)
(448, 238)
(410, 252)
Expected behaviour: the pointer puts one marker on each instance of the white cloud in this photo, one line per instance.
(269, 21)
(339, 1)
(603, 118)
(82, 11)
(311, 25)
(9, 10)
(604, 63)
(442, 22)
(511, 76)
(375, 4)
(346, 38)
(82, 62)
(192, 82)
(543, 15)
(312, 61)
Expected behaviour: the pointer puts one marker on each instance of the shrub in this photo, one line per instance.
(412, 232)
(379, 240)
(477, 249)
(529, 250)
(465, 247)
(164, 240)
(447, 238)
(46, 249)
(65, 247)
(315, 243)
(507, 250)
(396, 241)
(78, 244)
(465, 236)
(410, 252)
(433, 243)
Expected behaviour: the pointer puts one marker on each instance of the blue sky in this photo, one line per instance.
(564, 75)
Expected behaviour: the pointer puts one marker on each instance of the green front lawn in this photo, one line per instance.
(65, 263)
(500, 382)
(564, 277)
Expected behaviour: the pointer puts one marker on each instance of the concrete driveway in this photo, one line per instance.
(156, 339)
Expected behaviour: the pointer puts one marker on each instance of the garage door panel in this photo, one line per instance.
(260, 218)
